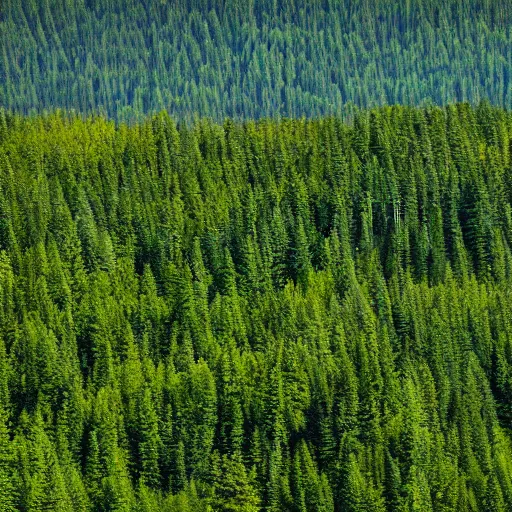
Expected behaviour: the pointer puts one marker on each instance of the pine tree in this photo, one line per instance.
(234, 491)
(8, 477)
(149, 443)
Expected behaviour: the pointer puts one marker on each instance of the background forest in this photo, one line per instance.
(276, 315)
(251, 58)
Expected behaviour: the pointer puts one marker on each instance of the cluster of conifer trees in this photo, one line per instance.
(295, 315)
(251, 58)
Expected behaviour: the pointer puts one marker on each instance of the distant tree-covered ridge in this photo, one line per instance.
(282, 316)
(251, 58)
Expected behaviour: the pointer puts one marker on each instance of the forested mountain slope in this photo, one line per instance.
(251, 58)
(285, 316)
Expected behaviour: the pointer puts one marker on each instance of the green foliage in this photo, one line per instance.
(247, 59)
(300, 316)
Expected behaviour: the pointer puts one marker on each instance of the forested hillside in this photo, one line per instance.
(251, 58)
(298, 316)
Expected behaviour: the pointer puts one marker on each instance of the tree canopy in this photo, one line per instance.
(248, 59)
(295, 315)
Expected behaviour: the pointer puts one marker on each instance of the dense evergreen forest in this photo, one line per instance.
(251, 58)
(295, 315)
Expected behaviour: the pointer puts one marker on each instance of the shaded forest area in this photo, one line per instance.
(299, 316)
(247, 59)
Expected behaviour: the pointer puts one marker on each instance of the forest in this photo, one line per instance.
(295, 315)
(248, 59)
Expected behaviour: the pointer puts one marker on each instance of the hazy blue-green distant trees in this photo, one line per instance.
(251, 59)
